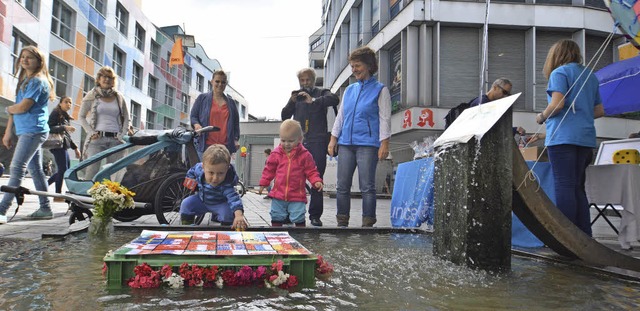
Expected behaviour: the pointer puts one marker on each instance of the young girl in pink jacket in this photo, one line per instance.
(291, 165)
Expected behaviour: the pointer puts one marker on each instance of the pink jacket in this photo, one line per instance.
(290, 173)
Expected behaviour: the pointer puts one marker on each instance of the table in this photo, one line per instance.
(618, 184)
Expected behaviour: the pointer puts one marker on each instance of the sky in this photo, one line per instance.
(261, 43)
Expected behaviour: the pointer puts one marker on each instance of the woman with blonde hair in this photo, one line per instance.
(29, 116)
(574, 102)
(104, 117)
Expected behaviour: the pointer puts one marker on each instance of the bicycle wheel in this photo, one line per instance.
(168, 198)
(240, 189)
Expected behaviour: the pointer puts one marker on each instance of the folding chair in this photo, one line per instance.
(602, 212)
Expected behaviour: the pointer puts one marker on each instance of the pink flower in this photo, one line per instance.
(104, 269)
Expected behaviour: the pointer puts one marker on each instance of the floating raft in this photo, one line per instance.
(228, 249)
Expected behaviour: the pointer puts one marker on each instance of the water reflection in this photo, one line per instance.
(372, 272)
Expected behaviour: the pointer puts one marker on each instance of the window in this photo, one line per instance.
(151, 120)
(360, 24)
(242, 111)
(186, 75)
(155, 52)
(61, 21)
(167, 123)
(171, 69)
(94, 44)
(60, 74)
(394, 8)
(32, 6)
(199, 82)
(135, 114)
(316, 43)
(169, 93)
(98, 5)
(137, 75)
(88, 85)
(122, 19)
(209, 87)
(153, 87)
(375, 17)
(19, 41)
(185, 103)
(118, 61)
(140, 34)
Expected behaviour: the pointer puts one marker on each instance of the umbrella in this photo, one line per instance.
(625, 13)
(619, 86)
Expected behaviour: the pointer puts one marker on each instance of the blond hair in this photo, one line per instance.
(291, 125)
(216, 154)
(42, 70)
(562, 52)
(107, 71)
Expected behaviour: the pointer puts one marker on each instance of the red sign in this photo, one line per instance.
(407, 119)
(426, 117)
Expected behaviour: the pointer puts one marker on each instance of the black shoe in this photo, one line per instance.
(316, 222)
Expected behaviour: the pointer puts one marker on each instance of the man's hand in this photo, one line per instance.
(238, 221)
(318, 186)
(197, 127)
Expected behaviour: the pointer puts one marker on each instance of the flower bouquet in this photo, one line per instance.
(109, 197)
(324, 270)
(198, 276)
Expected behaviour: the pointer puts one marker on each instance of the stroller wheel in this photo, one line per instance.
(79, 214)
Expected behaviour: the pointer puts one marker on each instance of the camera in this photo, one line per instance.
(299, 96)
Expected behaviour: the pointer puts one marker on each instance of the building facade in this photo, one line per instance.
(81, 36)
(430, 55)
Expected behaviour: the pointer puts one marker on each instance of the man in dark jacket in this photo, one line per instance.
(308, 105)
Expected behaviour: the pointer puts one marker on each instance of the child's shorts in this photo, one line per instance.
(192, 205)
(281, 209)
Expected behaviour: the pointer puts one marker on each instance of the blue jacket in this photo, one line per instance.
(361, 120)
(200, 115)
(212, 195)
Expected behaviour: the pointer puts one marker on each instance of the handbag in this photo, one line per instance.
(54, 141)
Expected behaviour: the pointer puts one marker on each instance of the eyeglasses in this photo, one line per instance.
(504, 92)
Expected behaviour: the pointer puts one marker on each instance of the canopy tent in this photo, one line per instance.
(619, 86)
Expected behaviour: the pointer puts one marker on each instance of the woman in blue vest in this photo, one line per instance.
(29, 118)
(361, 130)
(574, 102)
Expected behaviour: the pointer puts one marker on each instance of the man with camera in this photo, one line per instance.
(308, 105)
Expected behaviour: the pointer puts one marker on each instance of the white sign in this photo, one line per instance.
(476, 121)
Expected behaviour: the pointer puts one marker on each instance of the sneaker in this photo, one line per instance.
(316, 222)
(41, 214)
(3, 219)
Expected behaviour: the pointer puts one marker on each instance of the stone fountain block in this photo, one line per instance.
(472, 200)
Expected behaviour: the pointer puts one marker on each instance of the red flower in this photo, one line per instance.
(229, 278)
(166, 271)
(104, 269)
(291, 282)
(245, 276)
(277, 266)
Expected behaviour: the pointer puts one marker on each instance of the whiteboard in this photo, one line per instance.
(608, 148)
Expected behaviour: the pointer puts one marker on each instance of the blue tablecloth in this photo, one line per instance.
(412, 200)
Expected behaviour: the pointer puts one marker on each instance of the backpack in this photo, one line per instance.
(453, 114)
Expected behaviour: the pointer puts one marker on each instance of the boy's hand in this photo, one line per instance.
(190, 183)
(261, 189)
(238, 222)
(318, 185)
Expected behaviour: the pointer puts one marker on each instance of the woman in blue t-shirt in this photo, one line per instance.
(29, 116)
(574, 102)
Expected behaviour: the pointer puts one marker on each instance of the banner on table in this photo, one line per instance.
(412, 200)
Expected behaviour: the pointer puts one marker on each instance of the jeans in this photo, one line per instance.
(96, 146)
(62, 163)
(192, 205)
(319, 152)
(27, 155)
(366, 159)
(569, 164)
(280, 210)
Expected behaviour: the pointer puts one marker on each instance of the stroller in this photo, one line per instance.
(151, 163)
